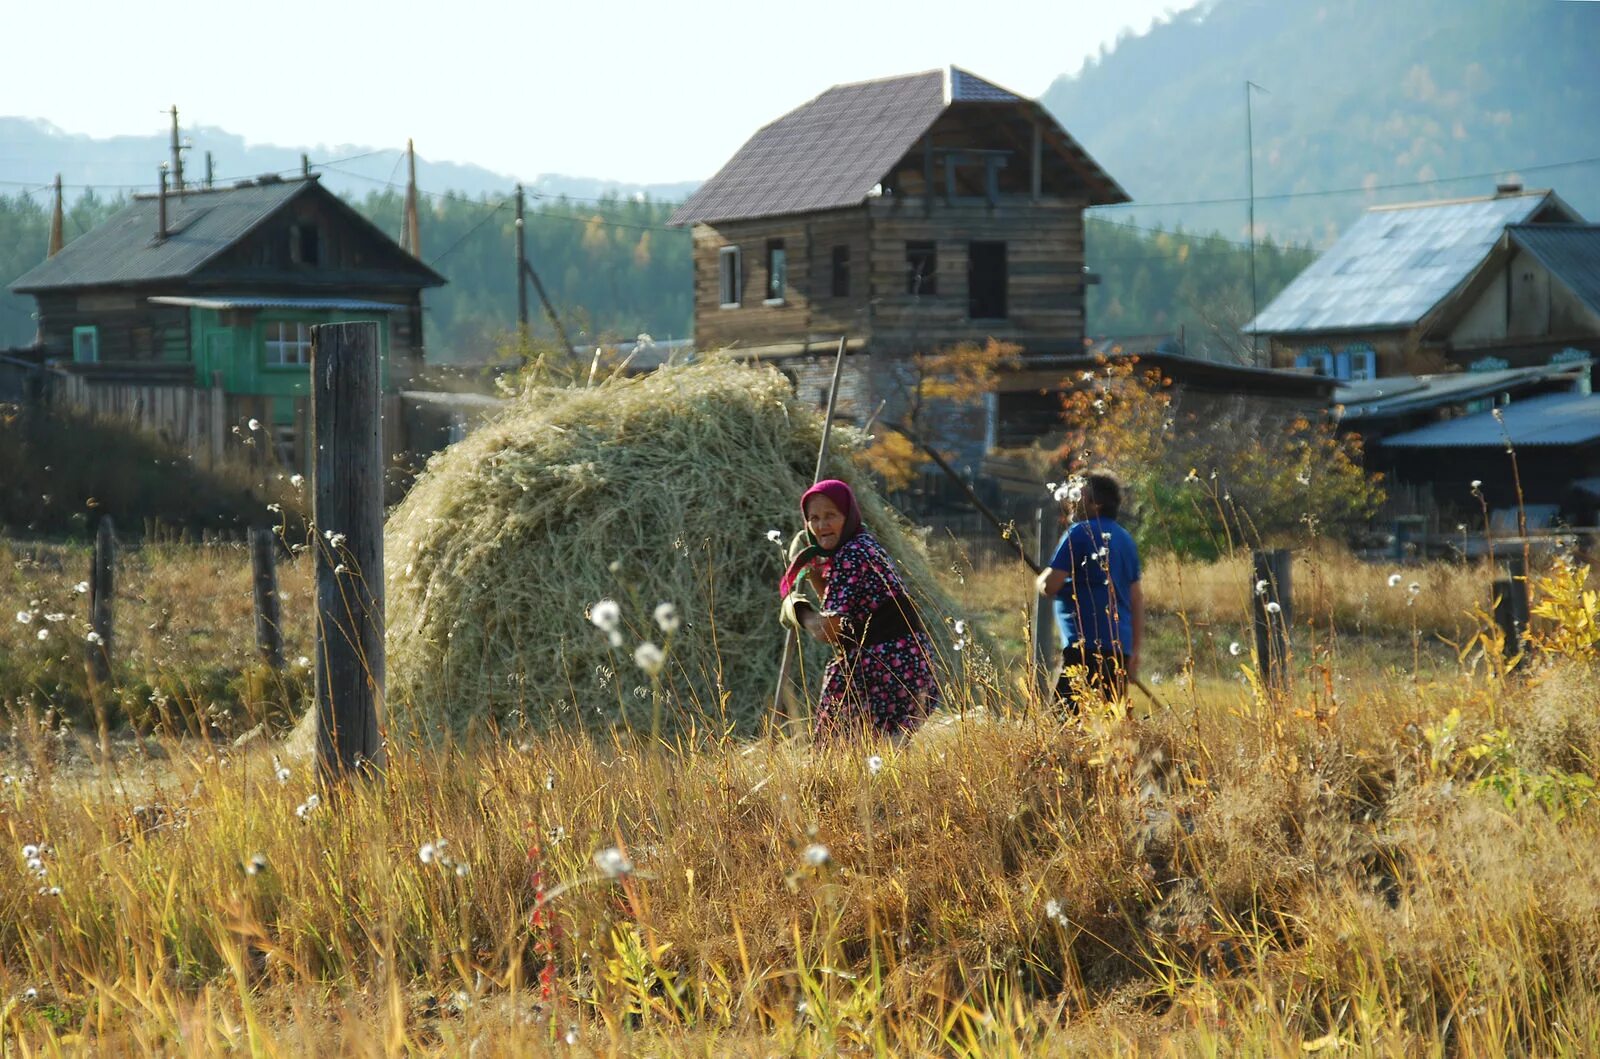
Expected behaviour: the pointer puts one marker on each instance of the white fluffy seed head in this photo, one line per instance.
(613, 863)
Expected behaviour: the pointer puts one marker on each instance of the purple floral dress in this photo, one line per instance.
(887, 685)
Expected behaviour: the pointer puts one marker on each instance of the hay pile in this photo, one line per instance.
(648, 490)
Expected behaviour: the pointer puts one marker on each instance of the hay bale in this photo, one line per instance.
(660, 488)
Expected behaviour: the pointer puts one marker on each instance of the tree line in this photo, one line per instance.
(615, 270)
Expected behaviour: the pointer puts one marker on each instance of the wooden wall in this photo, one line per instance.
(130, 328)
(1044, 262)
(809, 313)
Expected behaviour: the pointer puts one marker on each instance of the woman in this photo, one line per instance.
(880, 678)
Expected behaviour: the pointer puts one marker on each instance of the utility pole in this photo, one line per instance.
(210, 174)
(57, 225)
(177, 153)
(410, 229)
(1250, 157)
(522, 265)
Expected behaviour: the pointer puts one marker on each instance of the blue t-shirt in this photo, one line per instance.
(1094, 606)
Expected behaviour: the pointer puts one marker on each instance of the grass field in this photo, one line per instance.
(1393, 858)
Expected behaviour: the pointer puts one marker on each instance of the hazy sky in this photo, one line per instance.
(629, 90)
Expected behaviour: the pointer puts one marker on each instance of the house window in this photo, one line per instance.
(288, 344)
(841, 272)
(986, 281)
(1319, 359)
(777, 271)
(922, 267)
(1361, 362)
(728, 276)
(86, 345)
(305, 247)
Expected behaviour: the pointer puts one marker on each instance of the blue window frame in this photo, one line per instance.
(86, 345)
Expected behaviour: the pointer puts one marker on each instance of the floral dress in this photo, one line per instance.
(885, 685)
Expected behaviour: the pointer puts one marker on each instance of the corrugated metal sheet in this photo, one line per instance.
(221, 301)
(1570, 251)
(1394, 265)
(1551, 419)
(1398, 394)
(830, 152)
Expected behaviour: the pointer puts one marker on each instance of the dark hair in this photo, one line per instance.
(1102, 488)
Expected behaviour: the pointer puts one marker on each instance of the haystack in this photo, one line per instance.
(659, 489)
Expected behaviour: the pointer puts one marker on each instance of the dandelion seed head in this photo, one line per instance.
(606, 614)
(94, 637)
(1274, 608)
(256, 865)
(461, 871)
(874, 765)
(1261, 587)
(24, 617)
(81, 587)
(775, 537)
(297, 480)
(1234, 648)
(667, 618)
(1394, 580)
(816, 855)
(427, 852)
(43, 634)
(613, 863)
(650, 658)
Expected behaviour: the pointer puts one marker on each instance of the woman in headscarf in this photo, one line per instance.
(880, 678)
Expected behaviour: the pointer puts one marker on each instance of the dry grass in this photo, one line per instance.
(1388, 865)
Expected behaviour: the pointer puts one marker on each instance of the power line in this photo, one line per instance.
(220, 180)
(497, 207)
(1235, 200)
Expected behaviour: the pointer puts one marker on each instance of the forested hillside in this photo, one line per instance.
(1359, 93)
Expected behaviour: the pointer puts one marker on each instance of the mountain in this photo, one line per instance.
(34, 151)
(1359, 93)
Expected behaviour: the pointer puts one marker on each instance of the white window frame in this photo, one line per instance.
(92, 333)
(287, 343)
(730, 277)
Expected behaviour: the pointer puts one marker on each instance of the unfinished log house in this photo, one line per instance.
(904, 215)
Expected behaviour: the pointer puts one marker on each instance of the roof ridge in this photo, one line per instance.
(1527, 193)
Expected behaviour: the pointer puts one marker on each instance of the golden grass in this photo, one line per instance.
(1390, 865)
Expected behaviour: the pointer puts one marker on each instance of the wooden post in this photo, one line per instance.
(264, 567)
(1269, 585)
(1510, 596)
(1044, 616)
(347, 513)
(102, 599)
(302, 435)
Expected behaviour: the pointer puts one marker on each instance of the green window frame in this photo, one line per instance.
(86, 345)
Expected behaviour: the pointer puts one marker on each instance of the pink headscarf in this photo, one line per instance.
(845, 500)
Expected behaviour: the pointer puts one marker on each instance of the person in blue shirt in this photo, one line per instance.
(1094, 578)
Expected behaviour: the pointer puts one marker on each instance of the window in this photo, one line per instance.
(86, 345)
(729, 280)
(986, 281)
(841, 272)
(1319, 359)
(1362, 363)
(777, 270)
(305, 248)
(922, 267)
(288, 344)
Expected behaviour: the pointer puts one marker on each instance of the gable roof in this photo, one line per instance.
(1397, 263)
(201, 225)
(1549, 419)
(1570, 251)
(832, 151)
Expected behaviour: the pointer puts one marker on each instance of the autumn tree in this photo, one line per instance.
(938, 390)
(1204, 483)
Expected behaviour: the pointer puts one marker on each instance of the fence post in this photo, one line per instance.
(1272, 611)
(102, 602)
(347, 514)
(1510, 596)
(264, 568)
(1044, 635)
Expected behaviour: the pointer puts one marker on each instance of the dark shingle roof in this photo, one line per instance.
(1395, 264)
(200, 226)
(832, 151)
(1570, 251)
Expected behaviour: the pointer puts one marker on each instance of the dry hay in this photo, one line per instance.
(660, 488)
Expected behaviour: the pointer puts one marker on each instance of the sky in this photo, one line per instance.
(631, 91)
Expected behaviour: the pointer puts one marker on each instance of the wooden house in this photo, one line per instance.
(903, 215)
(212, 292)
(1495, 282)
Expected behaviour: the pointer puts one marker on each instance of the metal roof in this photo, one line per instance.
(1393, 395)
(249, 302)
(1549, 419)
(1396, 263)
(1570, 251)
(201, 224)
(832, 151)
